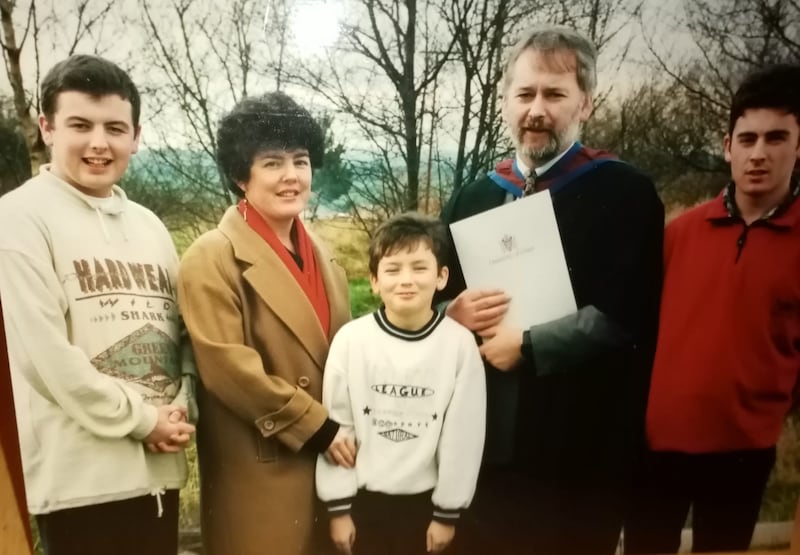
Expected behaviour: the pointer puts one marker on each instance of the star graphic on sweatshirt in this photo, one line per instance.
(435, 416)
(367, 410)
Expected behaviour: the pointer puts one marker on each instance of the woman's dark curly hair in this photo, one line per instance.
(256, 124)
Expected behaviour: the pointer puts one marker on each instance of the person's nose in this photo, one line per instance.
(536, 108)
(98, 141)
(289, 173)
(759, 152)
(405, 276)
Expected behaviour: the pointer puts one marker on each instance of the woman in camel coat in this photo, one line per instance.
(262, 299)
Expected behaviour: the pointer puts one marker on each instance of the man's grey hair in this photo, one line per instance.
(552, 39)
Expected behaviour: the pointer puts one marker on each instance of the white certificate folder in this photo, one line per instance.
(517, 248)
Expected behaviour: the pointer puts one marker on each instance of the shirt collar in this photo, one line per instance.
(727, 209)
(729, 198)
(523, 167)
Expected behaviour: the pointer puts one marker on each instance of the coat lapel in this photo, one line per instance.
(275, 285)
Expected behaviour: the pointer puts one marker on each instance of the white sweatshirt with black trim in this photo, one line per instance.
(94, 338)
(416, 403)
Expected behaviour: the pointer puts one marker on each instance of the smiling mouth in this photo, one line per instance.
(97, 162)
(289, 194)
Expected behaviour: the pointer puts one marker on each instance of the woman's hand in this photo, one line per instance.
(342, 450)
(343, 533)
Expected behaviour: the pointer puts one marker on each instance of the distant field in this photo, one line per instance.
(341, 235)
(348, 242)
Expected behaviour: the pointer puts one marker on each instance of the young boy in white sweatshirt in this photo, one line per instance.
(88, 285)
(408, 381)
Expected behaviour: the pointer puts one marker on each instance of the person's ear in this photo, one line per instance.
(46, 129)
(586, 108)
(726, 147)
(137, 133)
(441, 280)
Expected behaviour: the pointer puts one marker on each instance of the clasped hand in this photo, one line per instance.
(172, 432)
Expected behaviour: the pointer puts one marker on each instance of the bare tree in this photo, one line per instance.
(203, 57)
(12, 50)
(382, 77)
(482, 30)
(45, 28)
(730, 38)
(659, 129)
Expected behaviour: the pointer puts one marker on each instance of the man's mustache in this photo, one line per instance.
(538, 128)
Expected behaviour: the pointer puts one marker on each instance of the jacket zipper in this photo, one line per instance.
(740, 242)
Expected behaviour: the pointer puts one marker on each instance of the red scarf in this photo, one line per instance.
(309, 278)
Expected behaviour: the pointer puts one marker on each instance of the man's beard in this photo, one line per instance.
(556, 142)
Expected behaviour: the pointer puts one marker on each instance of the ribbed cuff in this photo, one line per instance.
(339, 507)
(446, 516)
(322, 438)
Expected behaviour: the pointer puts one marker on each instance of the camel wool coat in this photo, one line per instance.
(260, 352)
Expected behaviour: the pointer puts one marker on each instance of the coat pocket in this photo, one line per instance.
(267, 449)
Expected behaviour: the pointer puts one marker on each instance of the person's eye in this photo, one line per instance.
(302, 162)
(79, 126)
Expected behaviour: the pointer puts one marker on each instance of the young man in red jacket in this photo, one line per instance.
(728, 353)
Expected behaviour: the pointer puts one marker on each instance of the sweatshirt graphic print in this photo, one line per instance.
(139, 296)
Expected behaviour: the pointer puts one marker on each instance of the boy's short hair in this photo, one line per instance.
(257, 124)
(91, 75)
(405, 231)
(776, 87)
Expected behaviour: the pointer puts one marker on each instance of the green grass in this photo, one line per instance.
(362, 300)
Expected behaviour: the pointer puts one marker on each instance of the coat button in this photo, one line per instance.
(303, 381)
(269, 425)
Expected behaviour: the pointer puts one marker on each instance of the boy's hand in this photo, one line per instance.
(342, 450)
(439, 536)
(172, 433)
(343, 533)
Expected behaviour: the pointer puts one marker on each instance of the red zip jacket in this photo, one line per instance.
(728, 354)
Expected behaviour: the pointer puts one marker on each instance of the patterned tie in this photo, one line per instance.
(530, 184)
